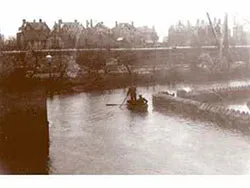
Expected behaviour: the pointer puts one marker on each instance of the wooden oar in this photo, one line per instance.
(114, 104)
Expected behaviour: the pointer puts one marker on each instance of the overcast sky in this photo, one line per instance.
(160, 13)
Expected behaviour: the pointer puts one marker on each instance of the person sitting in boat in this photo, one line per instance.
(142, 100)
(132, 93)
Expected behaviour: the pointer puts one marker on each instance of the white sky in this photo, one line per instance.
(160, 13)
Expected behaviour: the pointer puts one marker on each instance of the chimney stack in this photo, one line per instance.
(87, 23)
(215, 21)
(75, 21)
(116, 23)
(91, 23)
(132, 23)
(24, 21)
(34, 20)
(59, 23)
(198, 22)
(40, 20)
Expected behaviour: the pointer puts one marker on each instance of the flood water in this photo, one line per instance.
(88, 137)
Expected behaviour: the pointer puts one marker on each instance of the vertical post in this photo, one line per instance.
(49, 58)
(36, 56)
(60, 61)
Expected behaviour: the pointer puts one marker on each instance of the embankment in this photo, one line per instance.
(219, 94)
(227, 118)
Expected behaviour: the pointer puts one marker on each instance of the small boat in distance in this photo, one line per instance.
(137, 106)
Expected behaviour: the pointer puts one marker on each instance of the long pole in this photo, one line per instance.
(123, 101)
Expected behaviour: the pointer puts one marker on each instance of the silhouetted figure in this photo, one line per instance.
(142, 100)
(132, 93)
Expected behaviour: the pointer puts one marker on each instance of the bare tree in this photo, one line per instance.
(10, 44)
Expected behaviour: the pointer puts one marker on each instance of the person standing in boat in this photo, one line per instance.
(132, 93)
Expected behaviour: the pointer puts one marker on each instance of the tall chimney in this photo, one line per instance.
(132, 23)
(116, 23)
(215, 20)
(40, 20)
(34, 20)
(75, 21)
(197, 22)
(59, 23)
(91, 23)
(24, 21)
(87, 23)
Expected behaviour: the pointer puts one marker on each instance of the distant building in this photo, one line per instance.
(177, 35)
(147, 35)
(198, 35)
(247, 34)
(171, 36)
(1, 41)
(239, 36)
(67, 35)
(125, 33)
(165, 40)
(33, 35)
(98, 35)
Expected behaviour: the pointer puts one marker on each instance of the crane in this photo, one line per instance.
(222, 43)
(213, 31)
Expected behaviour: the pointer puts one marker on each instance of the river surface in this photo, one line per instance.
(88, 137)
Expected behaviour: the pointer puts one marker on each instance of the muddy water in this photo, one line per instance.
(88, 137)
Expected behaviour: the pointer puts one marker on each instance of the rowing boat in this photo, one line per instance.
(137, 106)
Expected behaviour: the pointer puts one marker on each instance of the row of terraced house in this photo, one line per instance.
(37, 35)
(201, 33)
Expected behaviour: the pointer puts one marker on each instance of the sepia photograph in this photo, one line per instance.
(124, 87)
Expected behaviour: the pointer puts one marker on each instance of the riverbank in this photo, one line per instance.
(116, 81)
(99, 82)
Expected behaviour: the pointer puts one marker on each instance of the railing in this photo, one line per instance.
(119, 49)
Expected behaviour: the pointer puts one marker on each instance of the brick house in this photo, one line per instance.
(67, 35)
(125, 33)
(33, 35)
(98, 35)
(239, 35)
(147, 35)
